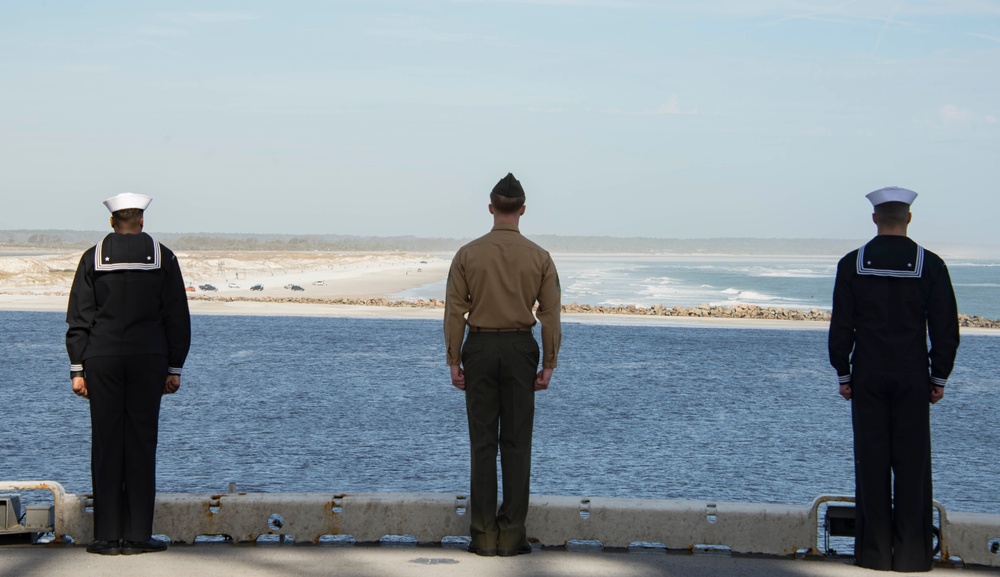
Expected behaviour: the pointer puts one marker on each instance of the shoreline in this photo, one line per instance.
(433, 309)
(366, 284)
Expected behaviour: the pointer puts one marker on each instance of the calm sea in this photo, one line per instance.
(689, 281)
(365, 405)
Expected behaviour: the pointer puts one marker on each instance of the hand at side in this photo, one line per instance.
(457, 377)
(542, 379)
(80, 387)
(173, 383)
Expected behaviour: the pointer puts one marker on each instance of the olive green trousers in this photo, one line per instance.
(500, 370)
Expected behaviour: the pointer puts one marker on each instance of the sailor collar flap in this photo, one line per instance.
(879, 259)
(127, 252)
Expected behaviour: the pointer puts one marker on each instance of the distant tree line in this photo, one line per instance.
(71, 239)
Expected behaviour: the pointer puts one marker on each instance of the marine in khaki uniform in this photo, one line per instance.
(889, 297)
(493, 284)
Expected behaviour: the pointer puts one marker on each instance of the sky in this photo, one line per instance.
(670, 118)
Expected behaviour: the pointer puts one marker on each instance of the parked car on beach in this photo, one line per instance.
(318, 283)
(207, 287)
(296, 287)
(257, 287)
(233, 285)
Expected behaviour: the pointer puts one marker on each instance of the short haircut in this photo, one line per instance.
(892, 213)
(506, 204)
(126, 217)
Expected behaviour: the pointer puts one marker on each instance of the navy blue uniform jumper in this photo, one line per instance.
(129, 327)
(890, 296)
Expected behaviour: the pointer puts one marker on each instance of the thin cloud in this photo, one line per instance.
(567, 3)
(818, 131)
(885, 26)
(668, 108)
(183, 23)
(161, 31)
(419, 30)
(784, 10)
(159, 48)
(813, 14)
(91, 69)
(985, 36)
(951, 114)
(205, 17)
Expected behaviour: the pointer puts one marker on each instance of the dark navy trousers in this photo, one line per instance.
(125, 394)
(892, 453)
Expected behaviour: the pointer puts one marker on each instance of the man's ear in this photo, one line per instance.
(491, 209)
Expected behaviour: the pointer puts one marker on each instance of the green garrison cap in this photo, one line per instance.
(509, 187)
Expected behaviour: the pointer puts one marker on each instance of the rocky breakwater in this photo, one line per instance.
(978, 322)
(706, 311)
(744, 312)
(703, 311)
(369, 302)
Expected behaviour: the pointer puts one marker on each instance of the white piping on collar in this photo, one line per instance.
(153, 265)
(917, 271)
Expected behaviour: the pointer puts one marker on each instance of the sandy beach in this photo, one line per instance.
(41, 282)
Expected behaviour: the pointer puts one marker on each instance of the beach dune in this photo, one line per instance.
(42, 281)
(354, 284)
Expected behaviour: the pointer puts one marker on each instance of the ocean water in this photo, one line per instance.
(365, 405)
(689, 281)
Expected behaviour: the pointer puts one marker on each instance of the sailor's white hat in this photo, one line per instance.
(127, 200)
(891, 194)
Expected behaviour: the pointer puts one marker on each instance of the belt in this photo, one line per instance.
(485, 330)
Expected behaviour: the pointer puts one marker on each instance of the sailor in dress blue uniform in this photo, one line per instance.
(889, 296)
(129, 334)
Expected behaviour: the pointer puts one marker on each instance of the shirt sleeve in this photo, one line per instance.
(942, 327)
(80, 314)
(841, 339)
(176, 318)
(456, 306)
(548, 313)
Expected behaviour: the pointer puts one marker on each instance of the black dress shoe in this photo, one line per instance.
(104, 548)
(522, 550)
(482, 552)
(136, 547)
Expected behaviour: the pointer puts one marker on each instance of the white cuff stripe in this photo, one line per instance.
(844, 378)
(173, 370)
(76, 367)
(938, 381)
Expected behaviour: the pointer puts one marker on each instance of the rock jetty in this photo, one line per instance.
(706, 311)
(368, 302)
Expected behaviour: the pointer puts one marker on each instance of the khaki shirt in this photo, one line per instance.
(496, 280)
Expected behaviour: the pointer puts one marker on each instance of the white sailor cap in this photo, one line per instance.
(891, 194)
(127, 200)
